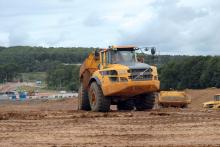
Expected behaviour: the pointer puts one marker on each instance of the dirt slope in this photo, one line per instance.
(201, 96)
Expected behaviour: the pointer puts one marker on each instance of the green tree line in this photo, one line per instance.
(195, 73)
(176, 72)
(63, 77)
(8, 72)
(38, 59)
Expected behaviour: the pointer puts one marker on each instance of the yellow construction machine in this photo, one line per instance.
(113, 76)
(215, 104)
(173, 99)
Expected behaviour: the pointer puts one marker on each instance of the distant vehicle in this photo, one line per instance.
(62, 92)
(214, 103)
(11, 94)
(38, 82)
(173, 99)
(22, 95)
(3, 96)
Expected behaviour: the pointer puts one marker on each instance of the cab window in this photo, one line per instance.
(109, 57)
(217, 98)
(102, 57)
(122, 57)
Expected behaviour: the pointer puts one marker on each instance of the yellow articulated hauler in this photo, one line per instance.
(114, 76)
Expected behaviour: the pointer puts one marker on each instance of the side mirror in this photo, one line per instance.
(153, 50)
(96, 54)
(99, 66)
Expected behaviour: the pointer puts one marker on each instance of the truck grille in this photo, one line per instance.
(140, 74)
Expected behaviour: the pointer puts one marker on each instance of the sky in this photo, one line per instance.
(184, 27)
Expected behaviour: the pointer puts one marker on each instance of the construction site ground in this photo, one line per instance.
(59, 123)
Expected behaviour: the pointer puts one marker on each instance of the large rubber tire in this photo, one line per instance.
(98, 102)
(125, 105)
(145, 102)
(184, 106)
(83, 99)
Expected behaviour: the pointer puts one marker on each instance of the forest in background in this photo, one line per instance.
(62, 69)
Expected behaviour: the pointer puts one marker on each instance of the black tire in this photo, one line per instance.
(83, 99)
(98, 102)
(184, 106)
(125, 105)
(145, 102)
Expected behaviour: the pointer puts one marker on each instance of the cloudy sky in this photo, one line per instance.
(174, 26)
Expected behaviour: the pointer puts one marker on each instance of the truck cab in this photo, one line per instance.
(119, 68)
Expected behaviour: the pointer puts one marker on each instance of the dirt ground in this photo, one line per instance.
(58, 123)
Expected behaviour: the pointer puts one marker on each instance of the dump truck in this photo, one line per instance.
(213, 104)
(173, 99)
(113, 76)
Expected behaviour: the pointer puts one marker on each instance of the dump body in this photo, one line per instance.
(89, 66)
(119, 79)
(173, 99)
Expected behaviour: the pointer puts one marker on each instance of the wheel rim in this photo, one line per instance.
(93, 98)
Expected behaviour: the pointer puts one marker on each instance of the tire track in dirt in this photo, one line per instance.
(58, 123)
(113, 129)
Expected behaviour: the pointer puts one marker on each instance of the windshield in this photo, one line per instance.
(217, 98)
(122, 57)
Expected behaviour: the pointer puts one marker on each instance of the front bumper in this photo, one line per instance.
(130, 88)
(174, 103)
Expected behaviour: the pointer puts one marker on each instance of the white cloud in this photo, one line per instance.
(174, 26)
(179, 29)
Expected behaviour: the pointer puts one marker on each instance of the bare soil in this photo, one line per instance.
(58, 123)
